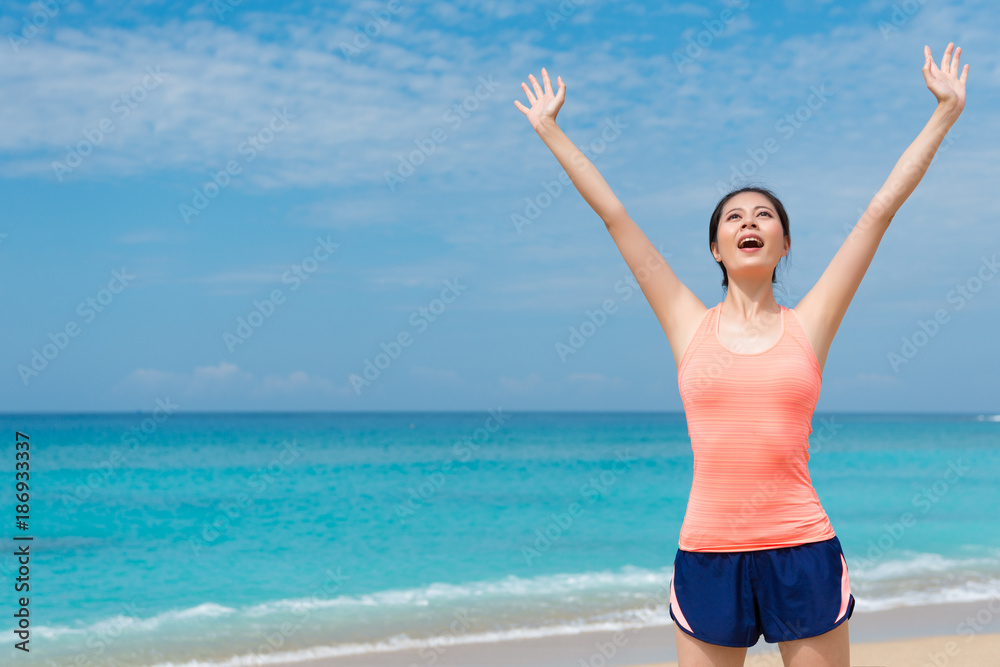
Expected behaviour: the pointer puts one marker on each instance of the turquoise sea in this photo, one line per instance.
(230, 539)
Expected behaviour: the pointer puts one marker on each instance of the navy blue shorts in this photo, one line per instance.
(730, 598)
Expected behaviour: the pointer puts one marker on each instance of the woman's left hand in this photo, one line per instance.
(944, 82)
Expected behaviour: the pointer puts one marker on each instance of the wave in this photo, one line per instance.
(403, 642)
(968, 591)
(917, 564)
(917, 579)
(515, 607)
(116, 623)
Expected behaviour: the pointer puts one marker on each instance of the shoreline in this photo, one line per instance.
(955, 634)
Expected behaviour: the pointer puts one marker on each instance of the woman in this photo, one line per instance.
(757, 554)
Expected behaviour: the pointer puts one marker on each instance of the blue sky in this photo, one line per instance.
(344, 176)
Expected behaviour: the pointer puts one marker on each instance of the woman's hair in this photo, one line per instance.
(713, 225)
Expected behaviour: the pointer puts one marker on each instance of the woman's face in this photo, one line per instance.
(750, 236)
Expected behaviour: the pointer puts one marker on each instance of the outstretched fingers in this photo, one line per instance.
(542, 100)
(954, 68)
(929, 65)
(946, 84)
(547, 82)
(531, 98)
(538, 89)
(949, 62)
(946, 57)
(561, 94)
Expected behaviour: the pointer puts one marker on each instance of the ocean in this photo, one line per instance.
(259, 538)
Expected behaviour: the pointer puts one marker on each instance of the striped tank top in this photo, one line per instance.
(749, 419)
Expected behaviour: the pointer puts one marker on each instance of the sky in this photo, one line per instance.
(239, 205)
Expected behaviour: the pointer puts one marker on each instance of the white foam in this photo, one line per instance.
(969, 591)
(402, 642)
(917, 565)
(632, 598)
(563, 585)
(112, 626)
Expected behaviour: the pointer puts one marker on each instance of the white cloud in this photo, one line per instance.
(294, 383)
(227, 380)
(529, 384)
(218, 375)
(596, 382)
(152, 379)
(355, 118)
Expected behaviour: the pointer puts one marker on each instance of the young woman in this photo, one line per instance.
(757, 554)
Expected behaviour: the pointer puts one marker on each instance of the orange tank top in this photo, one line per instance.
(749, 419)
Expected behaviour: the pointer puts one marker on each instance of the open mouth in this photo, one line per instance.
(750, 243)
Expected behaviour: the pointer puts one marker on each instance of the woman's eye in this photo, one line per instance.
(767, 213)
(734, 215)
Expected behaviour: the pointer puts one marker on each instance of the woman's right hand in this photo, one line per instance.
(946, 84)
(544, 105)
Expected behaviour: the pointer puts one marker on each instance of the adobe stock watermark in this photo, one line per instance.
(786, 126)
(983, 617)
(597, 318)
(876, 209)
(461, 451)
(223, 7)
(426, 145)
(249, 148)
(102, 636)
(420, 320)
(364, 34)
(551, 190)
(722, 359)
(771, 657)
(606, 651)
(438, 646)
(273, 641)
(925, 331)
(230, 512)
(698, 42)
(971, 626)
(595, 487)
(262, 311)
(899, 15)
(32, 23)
(121, 107)
(924, 501)
(131, 440)
(88, 309)
(756, 500)
(565, 10)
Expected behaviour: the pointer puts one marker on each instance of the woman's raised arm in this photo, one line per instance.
(675, 306)
(588, 181)
(823, 308)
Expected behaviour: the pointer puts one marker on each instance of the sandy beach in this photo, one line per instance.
(950, 635)
(946, 650)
